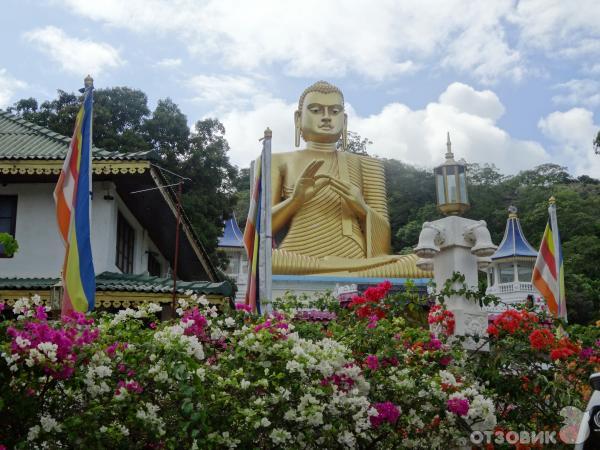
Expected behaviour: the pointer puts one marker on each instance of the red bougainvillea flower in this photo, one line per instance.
(439, 315)
(564, 349)
(512, 321)
(541, 339)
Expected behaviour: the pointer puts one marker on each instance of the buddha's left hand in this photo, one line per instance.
(350, 193)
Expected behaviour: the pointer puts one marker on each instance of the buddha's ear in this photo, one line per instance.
(345, 133)
(297, 128)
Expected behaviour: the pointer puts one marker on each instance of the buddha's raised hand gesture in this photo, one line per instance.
(350, 193)
(308, 183)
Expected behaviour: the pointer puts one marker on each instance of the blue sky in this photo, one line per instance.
(516, 83)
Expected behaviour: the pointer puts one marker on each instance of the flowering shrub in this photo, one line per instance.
(383, 373)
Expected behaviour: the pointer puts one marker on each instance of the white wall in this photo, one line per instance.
(41, 251)
(238, 255)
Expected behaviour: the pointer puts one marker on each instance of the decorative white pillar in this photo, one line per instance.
(455, 244)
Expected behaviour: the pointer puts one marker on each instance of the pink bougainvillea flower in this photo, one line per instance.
(387, 412)
(458, 406)
(243, 307)
(372, 362)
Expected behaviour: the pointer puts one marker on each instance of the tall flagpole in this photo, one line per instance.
(265, 236)
(558, 261)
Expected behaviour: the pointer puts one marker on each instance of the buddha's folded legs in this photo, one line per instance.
(390, 266)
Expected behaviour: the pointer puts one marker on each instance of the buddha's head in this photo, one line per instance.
(320, 116)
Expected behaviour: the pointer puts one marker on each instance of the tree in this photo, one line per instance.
(119, 115)
(242, 188)
(210, 196)
(168, 133)
(356, 144)
(597, 143)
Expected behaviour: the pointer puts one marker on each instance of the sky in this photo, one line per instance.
(516, 83)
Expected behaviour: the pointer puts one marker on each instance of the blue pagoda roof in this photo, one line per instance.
(514, 242)
(232, 236)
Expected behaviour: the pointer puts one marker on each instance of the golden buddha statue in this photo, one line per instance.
(329, 214)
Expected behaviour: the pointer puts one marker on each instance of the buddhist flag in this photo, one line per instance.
(72, 196)
(257, 234)
(251, 240)
(548, 273)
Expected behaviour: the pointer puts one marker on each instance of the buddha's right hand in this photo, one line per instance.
(307, 186)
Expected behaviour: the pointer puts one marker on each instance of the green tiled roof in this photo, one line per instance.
(110, 281)
(20, 139)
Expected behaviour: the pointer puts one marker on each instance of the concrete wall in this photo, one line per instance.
(41, 251)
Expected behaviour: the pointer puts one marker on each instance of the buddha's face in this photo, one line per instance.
(322, 117)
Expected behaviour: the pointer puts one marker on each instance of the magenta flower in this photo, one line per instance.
(56, 350)
(243, 307)
(586, 353)
(194, 323)
(372, 321)
(372, 362)
(445, 360)
(434, 343)
(458, 406)
(387, 412)
(131, 386)
(2, 306)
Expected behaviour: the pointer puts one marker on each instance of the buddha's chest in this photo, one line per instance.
(337, 165)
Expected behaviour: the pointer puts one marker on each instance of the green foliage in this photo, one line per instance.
(9, 244)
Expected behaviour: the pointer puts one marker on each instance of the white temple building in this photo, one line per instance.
(509, 274)
(232, 243)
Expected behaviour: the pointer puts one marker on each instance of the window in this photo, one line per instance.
(525, 272)
(153, 265)
(507, 273)
(8, 217)
(234, 265)
(125, 245)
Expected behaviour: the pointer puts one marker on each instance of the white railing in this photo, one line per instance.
(506, 288)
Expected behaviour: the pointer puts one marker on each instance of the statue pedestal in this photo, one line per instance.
(455, 244)
(313, 285)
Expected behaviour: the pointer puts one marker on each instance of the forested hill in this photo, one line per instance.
(123, 122)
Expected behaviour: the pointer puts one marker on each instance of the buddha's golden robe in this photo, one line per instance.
(324, 236)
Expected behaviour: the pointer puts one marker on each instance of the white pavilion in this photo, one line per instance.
(509, 273)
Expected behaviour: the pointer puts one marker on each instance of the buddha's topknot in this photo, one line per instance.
(320, 86)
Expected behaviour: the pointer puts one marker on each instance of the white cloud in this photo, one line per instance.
(225, 91)
(8, 87)
(572, 132)
(564, 28)
(584, 92)
(169, 63)
(337, 37)
(415, 136)
(77, 56)
(466, 99)
(324, 39)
